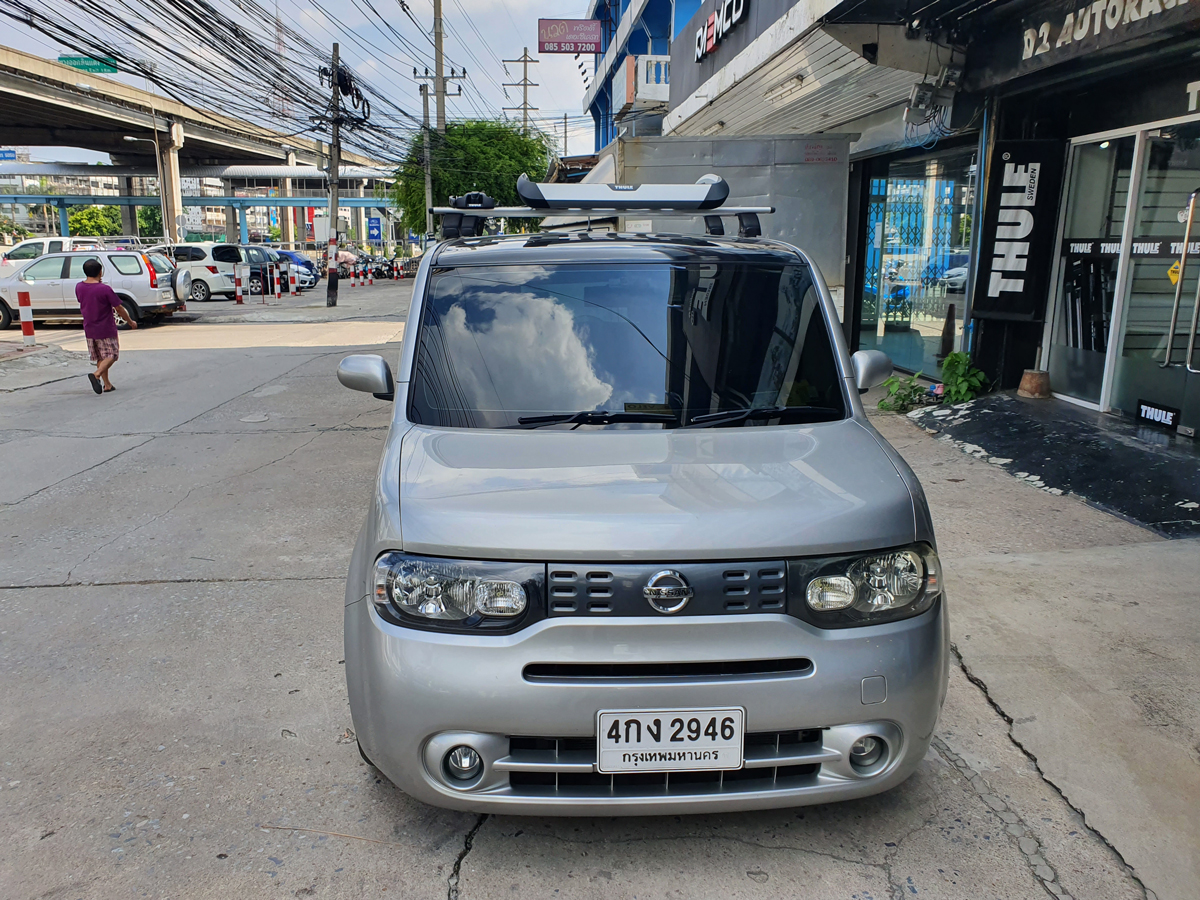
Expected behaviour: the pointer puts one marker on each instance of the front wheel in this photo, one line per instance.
(6, 316)
(200, 292)
(255, 284)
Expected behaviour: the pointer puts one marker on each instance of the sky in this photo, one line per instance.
(509, 25)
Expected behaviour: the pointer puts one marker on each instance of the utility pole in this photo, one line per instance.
(564, 135)
(425, 137)
(439, 82)
(335, 152)
(524, 84)
(439, 89)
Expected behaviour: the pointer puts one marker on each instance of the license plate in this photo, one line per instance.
(669, 740)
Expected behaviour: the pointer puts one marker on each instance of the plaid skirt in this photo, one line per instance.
(103, 348)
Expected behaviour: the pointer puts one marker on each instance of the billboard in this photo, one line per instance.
(569, 36)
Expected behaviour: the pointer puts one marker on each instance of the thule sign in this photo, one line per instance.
(728, 15)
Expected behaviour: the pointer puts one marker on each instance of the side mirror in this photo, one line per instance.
(871, 367)
(368, 373)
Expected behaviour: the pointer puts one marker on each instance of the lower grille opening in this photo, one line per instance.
(738, 668)
(760, 747)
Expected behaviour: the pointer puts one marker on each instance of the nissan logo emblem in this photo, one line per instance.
(668, 591)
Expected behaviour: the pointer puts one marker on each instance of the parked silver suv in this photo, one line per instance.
(634, 547)
(148, 284)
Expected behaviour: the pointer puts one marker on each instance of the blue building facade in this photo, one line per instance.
(630, 28)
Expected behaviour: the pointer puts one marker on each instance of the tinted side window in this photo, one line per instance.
(226, 253)
(76, 267)
(126, 265)
(29, 251)
(254, 255)
(45, 269)
(197, 253)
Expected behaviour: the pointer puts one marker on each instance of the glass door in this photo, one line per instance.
(1143, 372)
(917, 257)
(1097, 197)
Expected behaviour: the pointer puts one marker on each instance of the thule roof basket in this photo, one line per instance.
(466, 215)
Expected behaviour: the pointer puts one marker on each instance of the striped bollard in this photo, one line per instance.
(292, 289)
(354, 276)
(237, 285)
(371, 275)
(395, 274)
(278, 275)
(26, 312)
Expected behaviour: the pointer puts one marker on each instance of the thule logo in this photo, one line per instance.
(623, 187)
(1015, 223)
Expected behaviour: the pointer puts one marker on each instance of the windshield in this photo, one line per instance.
(651, 345)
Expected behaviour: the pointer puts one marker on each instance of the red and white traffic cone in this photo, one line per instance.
(237, 285)
(26, 313)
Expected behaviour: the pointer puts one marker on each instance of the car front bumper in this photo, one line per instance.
(416, 694)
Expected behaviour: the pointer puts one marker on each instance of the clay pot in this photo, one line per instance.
(1035, 384)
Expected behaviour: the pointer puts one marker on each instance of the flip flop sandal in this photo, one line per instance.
(96, 385)
(109, 390)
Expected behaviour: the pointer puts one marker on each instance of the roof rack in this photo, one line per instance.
(466, 215)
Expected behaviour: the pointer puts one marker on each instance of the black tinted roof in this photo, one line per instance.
(597, 247)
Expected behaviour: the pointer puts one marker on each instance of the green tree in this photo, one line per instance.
(8, 226)
(98, 221)
(150, 221)
(475, 155)
(275, 235)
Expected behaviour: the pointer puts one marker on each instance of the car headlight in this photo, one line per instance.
(865, 589)
(433, 592)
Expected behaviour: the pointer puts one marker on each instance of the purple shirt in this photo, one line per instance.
(97, 302)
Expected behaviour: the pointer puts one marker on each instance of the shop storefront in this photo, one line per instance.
(1119, 321)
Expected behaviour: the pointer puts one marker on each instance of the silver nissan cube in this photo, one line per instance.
(634, 548)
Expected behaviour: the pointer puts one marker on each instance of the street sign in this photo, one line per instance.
(8, 154)
(88, 64)
(569, 36)
(374, 230)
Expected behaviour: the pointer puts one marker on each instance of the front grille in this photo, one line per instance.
(774, 760)
(598, 590)
(677, 671)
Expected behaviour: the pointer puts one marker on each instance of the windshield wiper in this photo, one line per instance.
(593, 417)
(792, 414)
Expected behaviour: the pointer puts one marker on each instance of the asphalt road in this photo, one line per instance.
(175, 723)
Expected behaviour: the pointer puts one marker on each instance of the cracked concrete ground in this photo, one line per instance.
(175, 720)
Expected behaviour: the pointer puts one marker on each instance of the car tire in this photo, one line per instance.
(136, 313)
(200, 291)
(6, 316)
(255, 284)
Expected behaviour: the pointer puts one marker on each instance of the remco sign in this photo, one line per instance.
(727, 15)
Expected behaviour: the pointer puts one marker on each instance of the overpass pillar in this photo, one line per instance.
(64, 227)
(244, 218)
(287, 215)
(172, 188)
(231, 213)
(129, 220)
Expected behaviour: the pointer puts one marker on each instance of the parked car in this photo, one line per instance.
(210, 264)
(955, 280)
(35, 247)
(634, 545)
(147, 283)
(307, 272)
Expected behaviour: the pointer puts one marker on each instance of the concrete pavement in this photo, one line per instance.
(175, 720)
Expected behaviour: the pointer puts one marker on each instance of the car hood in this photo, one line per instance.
(725, 493)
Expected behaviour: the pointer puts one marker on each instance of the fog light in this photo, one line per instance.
(866, 751)
(463, 763)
